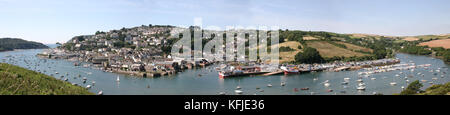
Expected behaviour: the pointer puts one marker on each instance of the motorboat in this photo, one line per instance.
(238, 91)
(238, 87)
(361, 88)
(327, 84)
(393, 83)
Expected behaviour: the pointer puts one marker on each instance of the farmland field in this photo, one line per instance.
(445, 43)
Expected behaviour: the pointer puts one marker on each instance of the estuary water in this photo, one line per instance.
(206, 81)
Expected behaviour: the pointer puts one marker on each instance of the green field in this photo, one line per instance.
(329, 50)
(15, 80)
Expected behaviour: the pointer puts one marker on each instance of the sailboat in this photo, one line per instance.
(239, 87)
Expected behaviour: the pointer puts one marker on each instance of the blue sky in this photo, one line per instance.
(51, 21)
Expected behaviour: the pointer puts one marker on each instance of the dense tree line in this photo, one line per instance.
(419, 50)
(414, 89)
(309, 56)
(285, 49)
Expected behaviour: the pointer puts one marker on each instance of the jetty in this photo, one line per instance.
(274, 73)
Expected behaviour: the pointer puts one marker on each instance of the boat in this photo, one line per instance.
(347, 79)
(118, 79)
(238, 87)
(269, 85)
(88, 87)
(286, 72)
(327, 84)
(393, 83)
(241, 71)
(306, 88)
(315, 79)
(222, 93)
(361, 84)
(290, 70)
(373, 78)
(329, 90)
(359, 80)
(361, 88)
(100, 93)
(283, 84)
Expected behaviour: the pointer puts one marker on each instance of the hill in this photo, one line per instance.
(8, 44)
(445, 43)
(329, 50)
(15, 80)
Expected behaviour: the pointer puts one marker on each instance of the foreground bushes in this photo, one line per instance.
(19, 81)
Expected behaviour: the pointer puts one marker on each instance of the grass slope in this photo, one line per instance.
(15, 80)
(329, 50)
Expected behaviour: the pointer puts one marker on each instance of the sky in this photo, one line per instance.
(51, 21)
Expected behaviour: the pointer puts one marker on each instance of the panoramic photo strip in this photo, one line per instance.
(248, 48)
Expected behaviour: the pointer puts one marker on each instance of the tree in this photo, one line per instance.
(412, 88)
(447, 57)
(309, 56)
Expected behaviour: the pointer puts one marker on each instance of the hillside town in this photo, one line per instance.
(140, 51)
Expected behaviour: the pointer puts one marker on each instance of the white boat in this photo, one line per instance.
(435, 78)
(373, 78)
(361, 88)
(88, 86)
(393, 83)
(238, 87)
(269, 85)
(359, 80)
(222, 93)
(118, 79)
(283, 84)
(315, 79)
(100, 93)
(361, 84)
(238, 91)
(327, 84)
(346, 79)
(403, 87)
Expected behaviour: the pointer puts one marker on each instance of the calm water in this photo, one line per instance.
(190, 83)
